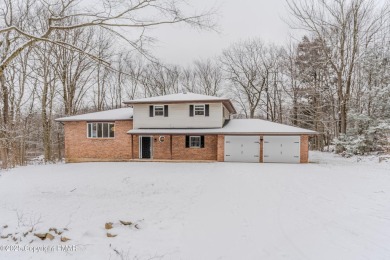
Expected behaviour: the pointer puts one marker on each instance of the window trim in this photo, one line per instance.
(154, 110)
(102, 130)
(200, 141)
(204, 109)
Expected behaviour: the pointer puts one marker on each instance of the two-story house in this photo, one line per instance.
(181, 127)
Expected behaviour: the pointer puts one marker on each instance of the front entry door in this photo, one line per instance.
(146, 147)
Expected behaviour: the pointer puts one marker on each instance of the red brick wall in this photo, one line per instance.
(162, 150)
(304, 149)
(79, 148)
(180, 152)
(221, 148)
(177, 150)
(135, 147)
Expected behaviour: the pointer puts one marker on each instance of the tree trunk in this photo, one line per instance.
(4, 128)
(343, 117)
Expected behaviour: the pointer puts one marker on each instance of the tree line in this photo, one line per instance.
(61, 59)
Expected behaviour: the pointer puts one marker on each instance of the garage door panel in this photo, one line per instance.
(242, 148)
(281, 149)
(271, 151)
(291, 151)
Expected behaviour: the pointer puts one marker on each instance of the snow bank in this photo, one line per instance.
(332, 208)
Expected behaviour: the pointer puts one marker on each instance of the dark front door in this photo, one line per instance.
(146, 145)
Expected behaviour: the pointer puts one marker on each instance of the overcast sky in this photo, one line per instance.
(237, 20)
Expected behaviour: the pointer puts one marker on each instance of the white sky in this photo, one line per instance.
(238, 20)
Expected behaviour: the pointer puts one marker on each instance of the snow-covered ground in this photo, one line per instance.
(333, 208)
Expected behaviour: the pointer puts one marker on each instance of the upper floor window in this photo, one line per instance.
(158, 110)
(101, 130)
(199, 110)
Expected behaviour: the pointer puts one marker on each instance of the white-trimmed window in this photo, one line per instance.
(199, 110)
(158, 110)
(195, 141)
(101, 130)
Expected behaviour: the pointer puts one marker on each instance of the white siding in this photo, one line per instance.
(225, 114)
(178, 117)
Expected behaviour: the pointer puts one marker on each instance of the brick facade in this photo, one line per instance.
(135, 147)
(221, 148)
(125, 147)
(180, 152)
(304, 149)
(176, 150)
(79, 148)
(162, 150)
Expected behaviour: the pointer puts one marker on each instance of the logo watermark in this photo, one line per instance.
(37, 249)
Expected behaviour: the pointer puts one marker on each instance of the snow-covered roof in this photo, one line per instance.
(235, 126)
(176, 97)
(181, 98)
(109, 115)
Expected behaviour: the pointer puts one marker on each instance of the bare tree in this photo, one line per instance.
(133, 78)
(65, 16)
(248, 70)
(27, 24)
(205, 77)
(342, 27)
(73, 69)
(160, 79)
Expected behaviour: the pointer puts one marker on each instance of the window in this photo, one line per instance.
(195, 141)
(199, 110)
(161, 110)
(158, 110)
(101, 130)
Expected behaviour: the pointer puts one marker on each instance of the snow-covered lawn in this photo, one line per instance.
(334, 208)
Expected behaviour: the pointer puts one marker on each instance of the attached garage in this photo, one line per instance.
(240, 140)
(276, 149)
(281, 149)
(242, 148)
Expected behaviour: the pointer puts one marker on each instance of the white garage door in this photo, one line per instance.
(242, 148)
(285, 149)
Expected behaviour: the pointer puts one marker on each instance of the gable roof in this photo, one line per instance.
(235, 126)
(119, 114)
(183, 98)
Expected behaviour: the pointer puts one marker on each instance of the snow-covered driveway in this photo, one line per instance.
(332, 209)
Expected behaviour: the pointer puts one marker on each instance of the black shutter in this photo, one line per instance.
(191, 110)
(165, 110)
(207, 109)
(150, 111)
(202, 141)
(187, 141)
(89, 130)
